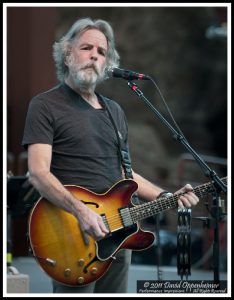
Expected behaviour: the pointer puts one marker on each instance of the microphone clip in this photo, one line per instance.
(134, 87)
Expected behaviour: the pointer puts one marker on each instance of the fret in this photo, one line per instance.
(152, 208)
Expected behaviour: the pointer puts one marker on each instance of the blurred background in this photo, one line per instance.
(184, 49)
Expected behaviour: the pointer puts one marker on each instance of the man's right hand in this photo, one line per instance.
(91, 224)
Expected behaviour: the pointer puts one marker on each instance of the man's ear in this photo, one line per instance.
(67, 57)
(66, 60)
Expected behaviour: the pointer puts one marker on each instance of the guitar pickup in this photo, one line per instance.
(126, 217)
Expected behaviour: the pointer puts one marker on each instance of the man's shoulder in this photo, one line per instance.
(49, 94)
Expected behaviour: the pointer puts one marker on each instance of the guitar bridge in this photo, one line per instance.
(126, 217)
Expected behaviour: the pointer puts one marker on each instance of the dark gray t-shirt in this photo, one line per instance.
(83, 139)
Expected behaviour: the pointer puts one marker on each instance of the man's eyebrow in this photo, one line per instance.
(88, 44)
(85, 44)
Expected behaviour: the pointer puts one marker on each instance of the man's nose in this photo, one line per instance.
(94, 54)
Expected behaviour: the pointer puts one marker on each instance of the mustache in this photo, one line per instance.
(90, 65)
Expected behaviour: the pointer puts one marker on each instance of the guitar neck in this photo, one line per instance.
(152, 208)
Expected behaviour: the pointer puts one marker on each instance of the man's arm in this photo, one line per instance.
(146, 189)
(149, 191)
(39, 161)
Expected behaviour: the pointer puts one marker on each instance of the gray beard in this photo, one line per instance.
(86, 82)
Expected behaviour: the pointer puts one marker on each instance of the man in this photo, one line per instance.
(71, 140)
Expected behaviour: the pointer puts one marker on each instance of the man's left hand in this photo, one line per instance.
(188, 199)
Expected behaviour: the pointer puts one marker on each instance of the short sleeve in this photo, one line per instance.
(38, 124)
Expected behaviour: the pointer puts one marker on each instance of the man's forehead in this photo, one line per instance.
(93, 36)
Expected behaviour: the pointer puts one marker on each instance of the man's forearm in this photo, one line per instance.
(146, 189)
(51, 188)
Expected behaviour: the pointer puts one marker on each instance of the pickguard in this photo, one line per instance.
(109, 245)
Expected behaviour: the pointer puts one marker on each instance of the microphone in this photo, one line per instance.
(126, 74)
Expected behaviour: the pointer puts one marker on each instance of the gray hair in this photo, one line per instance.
(62, 48)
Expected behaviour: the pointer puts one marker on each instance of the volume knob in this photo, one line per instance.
(94, 271)
(80, 280)
(67, 272)
(81, 262)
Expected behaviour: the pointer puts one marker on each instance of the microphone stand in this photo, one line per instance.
(217, 183)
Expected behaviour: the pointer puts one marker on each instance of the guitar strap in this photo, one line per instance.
(123, 152)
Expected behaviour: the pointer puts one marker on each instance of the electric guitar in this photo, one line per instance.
(58, 244)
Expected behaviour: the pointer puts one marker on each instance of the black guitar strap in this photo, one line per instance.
(123, 152)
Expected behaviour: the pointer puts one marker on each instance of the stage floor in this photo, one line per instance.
(39, 282)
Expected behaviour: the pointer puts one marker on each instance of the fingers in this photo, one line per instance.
(185, 202)
(186, 188)
(97, 233)
(100, 230)
(85, 237)
(91, 224)
(103, 227)
(188, 199)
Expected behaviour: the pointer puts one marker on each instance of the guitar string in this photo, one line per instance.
(138, 213)
(200, 190)
(142, 212)
(146, 210)
(153, 209)
(150, 208)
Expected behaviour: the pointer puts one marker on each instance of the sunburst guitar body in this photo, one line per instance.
(59, 245)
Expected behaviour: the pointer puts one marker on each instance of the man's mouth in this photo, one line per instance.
(90, 68)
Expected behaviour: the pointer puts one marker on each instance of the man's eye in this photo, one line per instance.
(102, 52)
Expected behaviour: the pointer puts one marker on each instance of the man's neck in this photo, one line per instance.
(87, 94)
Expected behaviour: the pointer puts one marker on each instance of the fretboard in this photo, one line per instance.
(152, 208)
